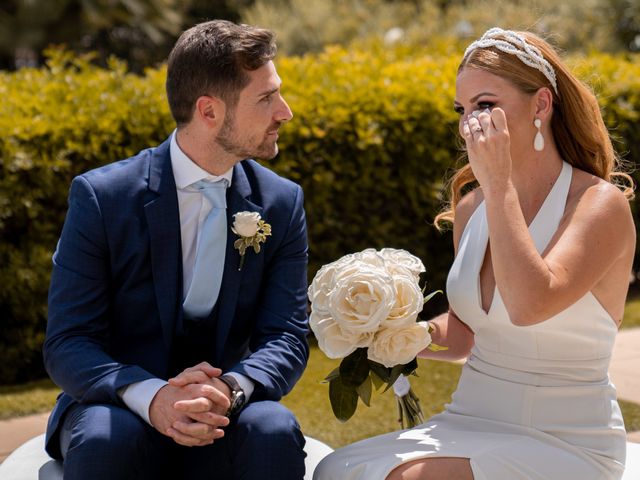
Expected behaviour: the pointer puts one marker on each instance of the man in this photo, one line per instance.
(149, 283)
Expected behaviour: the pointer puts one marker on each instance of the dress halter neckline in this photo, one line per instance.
(475, 238)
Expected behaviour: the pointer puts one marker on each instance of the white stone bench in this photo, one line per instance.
(31, 462)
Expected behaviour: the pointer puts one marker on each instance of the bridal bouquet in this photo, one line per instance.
(364, 310)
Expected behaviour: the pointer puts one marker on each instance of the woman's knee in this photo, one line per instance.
(331, 467)
(438, 468)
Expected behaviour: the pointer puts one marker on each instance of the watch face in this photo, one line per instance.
(238, 398)
(238, 401)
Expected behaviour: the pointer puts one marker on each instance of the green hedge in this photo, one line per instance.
(372, 138)
(57, 122)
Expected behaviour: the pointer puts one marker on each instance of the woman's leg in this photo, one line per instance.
(438, 468)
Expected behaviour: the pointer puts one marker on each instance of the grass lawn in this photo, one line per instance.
(310, 398)
(32, 397)
(632, 313)
(435, 384)
(310, 401)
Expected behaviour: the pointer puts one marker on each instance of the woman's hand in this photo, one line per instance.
(488, 147)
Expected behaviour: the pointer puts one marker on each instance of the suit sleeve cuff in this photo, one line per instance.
(138, 396)
(245, 382)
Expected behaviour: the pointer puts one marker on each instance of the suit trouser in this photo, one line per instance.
(108, 442)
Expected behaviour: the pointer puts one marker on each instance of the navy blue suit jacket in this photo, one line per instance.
(116, 287)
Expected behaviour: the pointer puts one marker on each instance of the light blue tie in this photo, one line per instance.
(210, 253)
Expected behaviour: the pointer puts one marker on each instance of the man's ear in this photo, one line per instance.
(544, 103)
(210, 111)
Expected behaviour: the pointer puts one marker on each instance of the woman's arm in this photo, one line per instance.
(596, 234)
(449, 331)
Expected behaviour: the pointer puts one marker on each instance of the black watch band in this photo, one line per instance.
(238, 398)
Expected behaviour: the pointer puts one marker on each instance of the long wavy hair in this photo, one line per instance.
(578, 129)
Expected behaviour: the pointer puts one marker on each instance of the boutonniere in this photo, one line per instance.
(252, 231)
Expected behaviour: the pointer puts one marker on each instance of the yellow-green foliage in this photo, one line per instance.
(56, 122)
(373, 136)
(616, 81)
(573, 25)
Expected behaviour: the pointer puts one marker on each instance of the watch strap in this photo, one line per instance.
(238, 398)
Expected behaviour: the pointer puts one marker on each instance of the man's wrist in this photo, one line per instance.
(245, 382)
(139, 396)
(238, 398)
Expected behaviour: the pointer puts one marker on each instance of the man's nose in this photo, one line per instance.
(284, 113)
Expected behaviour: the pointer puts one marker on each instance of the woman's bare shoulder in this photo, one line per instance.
(592, 193)
(600, 205)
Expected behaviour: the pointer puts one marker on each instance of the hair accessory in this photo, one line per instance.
(514, 43)
(538, 141)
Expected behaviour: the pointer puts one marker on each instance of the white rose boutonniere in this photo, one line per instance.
(252, 231)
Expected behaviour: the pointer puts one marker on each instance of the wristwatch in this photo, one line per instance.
(238, 398)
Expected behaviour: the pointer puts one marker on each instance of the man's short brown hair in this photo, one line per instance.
(212, 58)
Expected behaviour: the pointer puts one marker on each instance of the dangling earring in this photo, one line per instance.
(538, 141)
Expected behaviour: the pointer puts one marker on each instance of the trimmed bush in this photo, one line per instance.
(57, 121)
(371, 140)
(373, 136)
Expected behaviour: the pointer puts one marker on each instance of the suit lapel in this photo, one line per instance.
(163, 219)
(237, 201)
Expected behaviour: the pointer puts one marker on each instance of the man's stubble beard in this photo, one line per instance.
(227, 139)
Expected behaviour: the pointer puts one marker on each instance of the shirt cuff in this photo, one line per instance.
(138, 396)
(245, 382)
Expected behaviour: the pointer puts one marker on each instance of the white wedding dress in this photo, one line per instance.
(532, 402)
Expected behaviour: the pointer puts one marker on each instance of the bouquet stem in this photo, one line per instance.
(409, 410)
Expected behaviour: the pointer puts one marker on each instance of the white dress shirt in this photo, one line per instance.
(193, 209)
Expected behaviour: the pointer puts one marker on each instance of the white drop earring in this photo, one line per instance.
(538, 141)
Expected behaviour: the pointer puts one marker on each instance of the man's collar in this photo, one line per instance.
(186, 171)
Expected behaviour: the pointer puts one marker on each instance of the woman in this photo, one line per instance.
(544, 248)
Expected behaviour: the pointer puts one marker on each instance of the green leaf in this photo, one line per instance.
(380, 370)
(378, 382)
(344, 399)
(364, 391)
(354, 368)
(393, 376)
(334, 374)
(431, 295)
(410, 367)
(436, 348)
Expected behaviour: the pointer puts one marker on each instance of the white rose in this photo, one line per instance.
(404, 258)
(245, 224)
(370, 256)
(332, 340)
(362, 297)
(392, 347)
(324, 281)
(408, 304)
